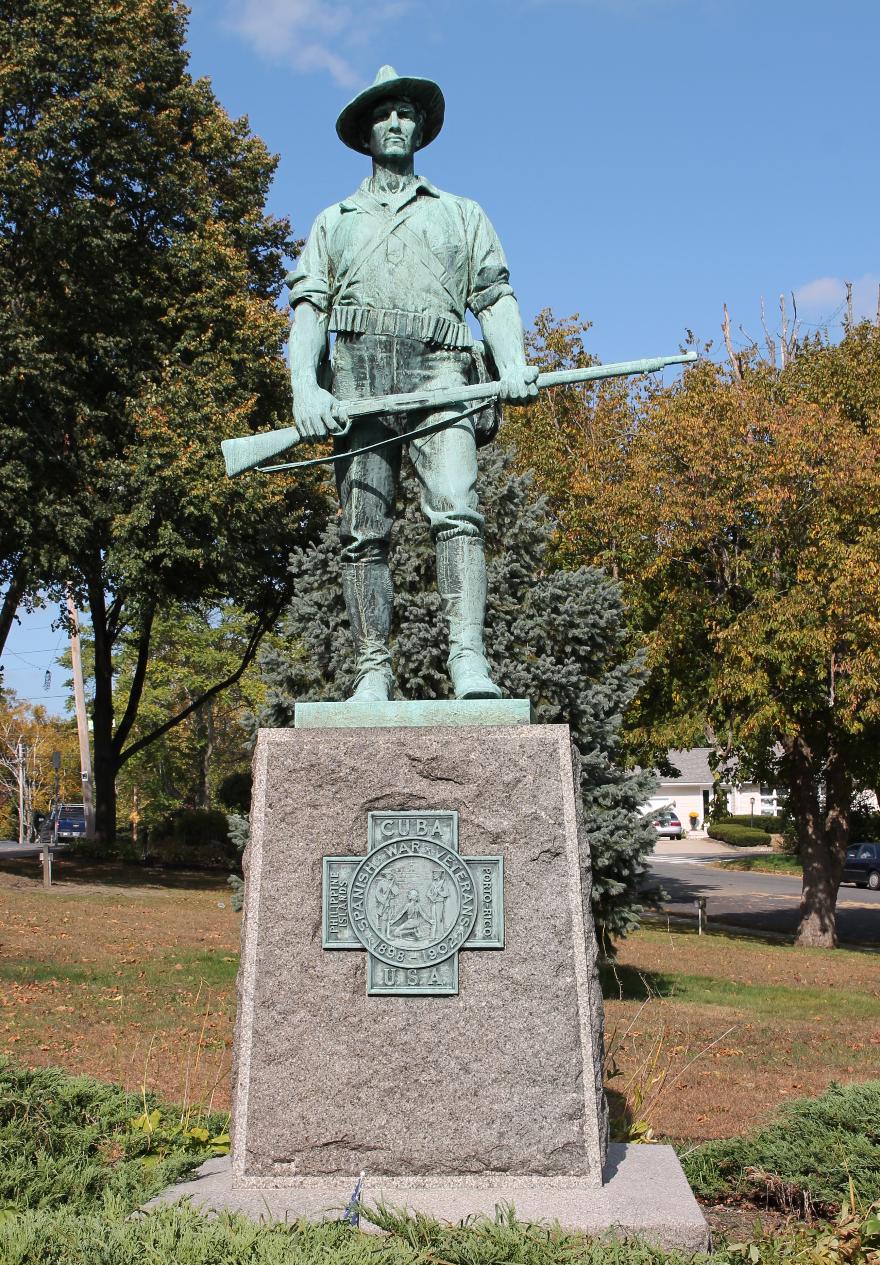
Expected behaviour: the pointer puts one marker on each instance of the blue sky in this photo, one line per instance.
(644, 161)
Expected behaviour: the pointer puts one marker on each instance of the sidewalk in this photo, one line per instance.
(698, 844)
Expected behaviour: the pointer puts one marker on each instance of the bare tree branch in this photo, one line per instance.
(770, 342)
(753, 342)
(735, 365)
(783, 336)
(114, 613)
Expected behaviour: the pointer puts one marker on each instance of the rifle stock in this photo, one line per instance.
(248, 452)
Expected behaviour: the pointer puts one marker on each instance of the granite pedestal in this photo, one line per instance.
(505, 1076)
(451, 1104)
(644, 1194)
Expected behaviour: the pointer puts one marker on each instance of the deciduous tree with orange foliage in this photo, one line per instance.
(28, 738)
(741, 508)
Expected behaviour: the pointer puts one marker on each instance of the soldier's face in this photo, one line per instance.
(395, 129)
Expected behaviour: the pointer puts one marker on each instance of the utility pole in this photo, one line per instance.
(46, 835)
(21, 769)
(82, 724)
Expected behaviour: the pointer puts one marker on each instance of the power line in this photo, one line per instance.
(19, 655)
(38, 667)
(38, 698)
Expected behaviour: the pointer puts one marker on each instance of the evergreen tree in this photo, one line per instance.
(555, 637)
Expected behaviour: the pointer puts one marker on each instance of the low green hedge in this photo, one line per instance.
(76, 1162)
(72, 1140)
(811, 1150)
(739, 836)
(193, 838)
(761, 821)
(864, 826)
(199, 827)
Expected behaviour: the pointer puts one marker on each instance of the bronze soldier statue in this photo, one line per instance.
(391, 271)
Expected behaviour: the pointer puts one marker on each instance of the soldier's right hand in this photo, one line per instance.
(317, 413)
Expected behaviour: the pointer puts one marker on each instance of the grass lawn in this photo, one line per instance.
(776, 864)
(714, 1032)
(132, 980)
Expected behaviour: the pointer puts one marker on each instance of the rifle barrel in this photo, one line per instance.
(249, 451)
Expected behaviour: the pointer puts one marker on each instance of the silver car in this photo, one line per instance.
(667, 824)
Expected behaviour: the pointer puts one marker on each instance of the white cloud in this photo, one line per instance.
(820, 299)
(311, 35)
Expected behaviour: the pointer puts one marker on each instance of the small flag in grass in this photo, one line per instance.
(352, 1212)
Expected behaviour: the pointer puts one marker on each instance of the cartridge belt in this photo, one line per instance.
(440, 331)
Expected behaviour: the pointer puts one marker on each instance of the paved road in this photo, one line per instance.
(767, 902)
(9, 848)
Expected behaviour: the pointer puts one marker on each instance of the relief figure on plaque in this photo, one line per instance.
(412, 923)
(385, 892)
(437, 896)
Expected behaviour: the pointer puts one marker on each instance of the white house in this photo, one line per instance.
(691, 791)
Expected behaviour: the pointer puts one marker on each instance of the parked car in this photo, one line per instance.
(862, 866)
(67, 822)
(667, 824)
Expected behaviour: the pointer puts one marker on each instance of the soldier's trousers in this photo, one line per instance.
(445, 463)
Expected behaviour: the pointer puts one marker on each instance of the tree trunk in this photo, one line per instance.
(817, 927)
(105, 789)
(11, 598)
(106, 762)
(208, 756)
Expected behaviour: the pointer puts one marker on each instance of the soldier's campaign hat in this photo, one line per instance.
(422, 92)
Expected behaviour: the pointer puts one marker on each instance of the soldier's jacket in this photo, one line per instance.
(409, 268)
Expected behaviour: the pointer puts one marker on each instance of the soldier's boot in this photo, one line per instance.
(461, 582)
(366, 588)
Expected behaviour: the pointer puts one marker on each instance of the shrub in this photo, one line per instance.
(810, 1151)
(864, 825)
(761, 821)
(75, 1163)
(70, 1140)
(739, 836)
(200, 827)
(234, 792)
(197, 838)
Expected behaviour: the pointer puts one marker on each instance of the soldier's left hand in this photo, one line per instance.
(520, 385)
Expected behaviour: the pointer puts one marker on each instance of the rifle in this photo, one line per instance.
(249, 452)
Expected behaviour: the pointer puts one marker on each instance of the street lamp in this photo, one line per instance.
(752, 818)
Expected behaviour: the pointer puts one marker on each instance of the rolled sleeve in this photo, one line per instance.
(310, 280)
(489, 278)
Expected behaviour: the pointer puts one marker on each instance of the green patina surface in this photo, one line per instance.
(382, 357)
(403, 714)
(413, 903)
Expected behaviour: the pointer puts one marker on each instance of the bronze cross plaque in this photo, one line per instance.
(412, 902)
